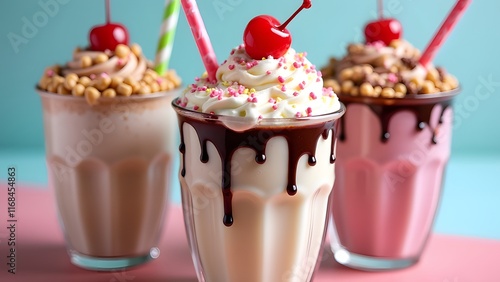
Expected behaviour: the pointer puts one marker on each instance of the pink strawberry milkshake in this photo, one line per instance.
(393, 148)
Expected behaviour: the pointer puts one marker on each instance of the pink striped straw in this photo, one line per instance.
(445, 29)
(201, 37)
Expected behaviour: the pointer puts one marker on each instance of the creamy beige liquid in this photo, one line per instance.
(110, 170)
(275, 236)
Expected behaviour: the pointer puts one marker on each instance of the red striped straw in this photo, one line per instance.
(445, 29)
(201, 37)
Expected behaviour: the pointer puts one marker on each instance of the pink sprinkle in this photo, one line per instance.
(280, 65)
(92, 76)
(295, 93)
(196, 79)
(159, 80)
(319, 73)
(275, 107)
(104, 74)
(283, 88)
(232, 52)
(296, 65)
(268, 72)
(120, 62)
(271, 100)
(252, 99)
(328, 92)
(252, 64)
(231, 67)
(194, 85)
(178, 101)
(313, 96)
(193, 90)
(298, 114)
(301, 85)
(281, 79)
(219, 98)
(196, 107)
(241, 89)
(392, 78)
(309, 111)
(50, 73)
(377, 44)
(318, 79)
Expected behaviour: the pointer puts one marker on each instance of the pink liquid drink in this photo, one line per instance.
(392, 156)
(393, 148)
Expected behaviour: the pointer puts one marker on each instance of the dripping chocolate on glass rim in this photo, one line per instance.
(227, 139)
(421, 105)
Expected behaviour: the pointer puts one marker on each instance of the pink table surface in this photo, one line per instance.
(41, 254)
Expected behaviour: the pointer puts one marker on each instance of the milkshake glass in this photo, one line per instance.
(254, 206)
(257, 167)
(392, 156)
(109, 139)
(110, 169)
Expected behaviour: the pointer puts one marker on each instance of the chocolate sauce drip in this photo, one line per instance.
(301, 140)
(204, 152)
(182, 149)
(260, 158)
(386, 112)
(312, 161)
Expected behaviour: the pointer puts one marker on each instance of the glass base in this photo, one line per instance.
(110, 264)
(368, 263)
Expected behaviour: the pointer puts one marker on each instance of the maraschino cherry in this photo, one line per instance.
(108, 36)
(264, 36)
(383, 29)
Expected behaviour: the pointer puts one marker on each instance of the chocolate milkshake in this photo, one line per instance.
(109, 135)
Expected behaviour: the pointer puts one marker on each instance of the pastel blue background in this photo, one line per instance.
(470, 202)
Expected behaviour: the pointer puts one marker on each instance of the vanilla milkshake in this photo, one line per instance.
(257, 168)
(109, 147)
(394, 144)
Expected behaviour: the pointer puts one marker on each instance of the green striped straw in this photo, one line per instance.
(167, 35)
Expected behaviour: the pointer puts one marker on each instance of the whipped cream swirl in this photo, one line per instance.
(131, 66)
(286, 87)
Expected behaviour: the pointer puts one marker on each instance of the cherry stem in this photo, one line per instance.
(108, 11)
(305, 5)
(380, 9)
